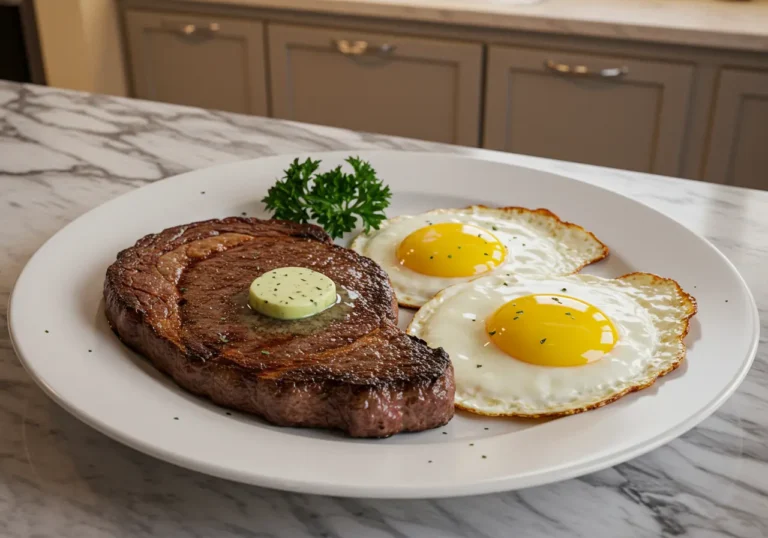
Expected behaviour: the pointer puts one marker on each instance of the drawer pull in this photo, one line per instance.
(193, 29)
(358, 48)
(584, 71)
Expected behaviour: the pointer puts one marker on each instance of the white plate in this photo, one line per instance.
(59, 332)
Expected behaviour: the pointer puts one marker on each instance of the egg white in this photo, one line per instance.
(650, 314)
(537, 243)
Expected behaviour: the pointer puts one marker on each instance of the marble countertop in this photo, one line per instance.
(62, 153)
(709, 23)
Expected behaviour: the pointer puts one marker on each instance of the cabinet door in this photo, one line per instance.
(609, 111)
(210, 62)
(420, 88)
(738, 141)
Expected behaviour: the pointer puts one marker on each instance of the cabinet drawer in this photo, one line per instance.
(604, 110)
(211, 62)
(421, 88)
(738, 141)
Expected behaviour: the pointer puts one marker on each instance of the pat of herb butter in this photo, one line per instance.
(291, 293)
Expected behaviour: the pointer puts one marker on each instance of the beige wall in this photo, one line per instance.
(81, 46)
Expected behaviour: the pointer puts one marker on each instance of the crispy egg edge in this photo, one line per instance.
(691, 308)
(358, 243)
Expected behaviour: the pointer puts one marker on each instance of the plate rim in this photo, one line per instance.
(558, 473)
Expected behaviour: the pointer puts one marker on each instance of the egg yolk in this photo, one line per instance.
(451, 249)
(552, 330)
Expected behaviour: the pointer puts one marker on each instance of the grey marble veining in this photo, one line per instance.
(62, 153)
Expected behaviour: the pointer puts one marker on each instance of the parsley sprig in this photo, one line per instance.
(334, 199)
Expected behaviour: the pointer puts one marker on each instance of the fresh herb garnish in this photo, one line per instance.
(543, 340)
(264, 352)
(223, 338)
(335, 199)
(492, 333)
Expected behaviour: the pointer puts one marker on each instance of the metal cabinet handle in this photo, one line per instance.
(193, 29)
(358, 48)
(584, 71)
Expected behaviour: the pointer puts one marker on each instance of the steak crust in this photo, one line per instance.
(180, 298)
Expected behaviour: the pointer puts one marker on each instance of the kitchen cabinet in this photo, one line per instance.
(738, 141)
(376, 82)
(669, 109)
(206, 61)
(604, 110)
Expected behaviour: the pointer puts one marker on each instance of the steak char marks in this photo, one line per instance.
(180, 298)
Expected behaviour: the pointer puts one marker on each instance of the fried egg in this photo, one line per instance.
(426, 253)
(551, 346)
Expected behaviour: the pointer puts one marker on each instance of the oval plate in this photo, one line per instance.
(58, 330)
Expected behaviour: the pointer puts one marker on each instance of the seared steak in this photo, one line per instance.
(180, 298)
